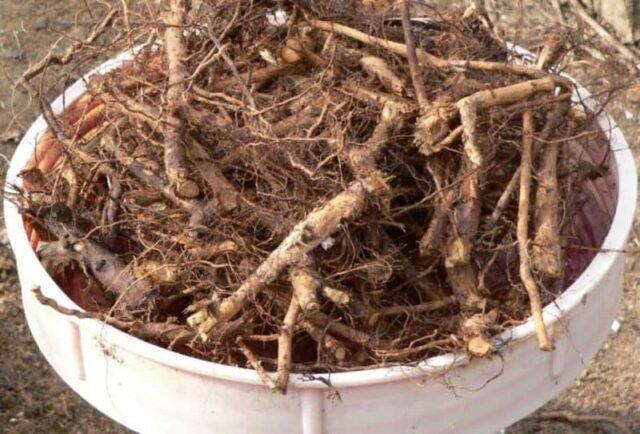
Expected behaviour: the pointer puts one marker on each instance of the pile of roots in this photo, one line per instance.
(312, 186)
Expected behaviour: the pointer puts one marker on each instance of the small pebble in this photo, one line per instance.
(11, 54)
(615, 326)
(41, 23)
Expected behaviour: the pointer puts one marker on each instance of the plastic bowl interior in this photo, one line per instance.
(618, 195)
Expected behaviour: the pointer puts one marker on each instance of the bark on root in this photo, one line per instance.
(306, 286)
(547, 249)
(285, 341)
(523, 233)
(174, 153)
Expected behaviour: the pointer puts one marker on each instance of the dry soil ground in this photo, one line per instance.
(34, 399)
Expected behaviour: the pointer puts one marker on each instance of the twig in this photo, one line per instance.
(255, 364)
(551, 51)
(549, 55)
(395, 354)
(417, 308)
(558, 8)
(68, 56)
(234, 71)
(423, 57)
(604, 250)
(504, 199)
(603, 33)
(414, 69)
(80, 314)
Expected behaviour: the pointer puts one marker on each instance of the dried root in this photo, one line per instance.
(251, 187)
(306, 236)
(174, 155)
(529, 282)
(285, 343)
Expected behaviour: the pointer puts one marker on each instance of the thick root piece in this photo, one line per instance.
(367, 95)
(146, 176)
(513, 93)
(379, 68)
(306, 236)
(332, 344)
(256, 78)
(461, 272)
(305, 288)
(474, 333)
(256, 364)
(554, 119)
(174, 154)
(344, 331)
(547, 249)
(431, 242)
(285, 344)
(363, 159)
(551, 52)
(412, 60)
(114, 276)
(523, 234)
(214, 250)
(225, 194)
(433, 128)
(337, 296)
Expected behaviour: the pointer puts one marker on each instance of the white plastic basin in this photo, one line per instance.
(153, 390)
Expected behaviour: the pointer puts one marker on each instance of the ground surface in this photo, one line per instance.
(34, 399)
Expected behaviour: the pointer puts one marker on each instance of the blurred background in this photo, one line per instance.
(607, 393)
